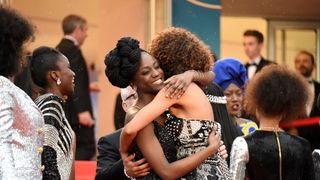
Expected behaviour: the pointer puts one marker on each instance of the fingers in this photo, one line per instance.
(142, 170)
(173, 87)
(221, 143)
(139, 162)
(86, 122)
(215, 127)
(129, 158)
(169, 80)
(179, 91)
(137, 168)
(223, 152)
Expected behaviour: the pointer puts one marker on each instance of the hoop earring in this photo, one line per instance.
(58, 81)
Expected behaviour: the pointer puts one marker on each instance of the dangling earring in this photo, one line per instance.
(58, 81)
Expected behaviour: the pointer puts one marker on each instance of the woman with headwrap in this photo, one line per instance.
(231, 77)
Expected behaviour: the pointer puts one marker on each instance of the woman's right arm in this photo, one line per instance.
(144, 117)
(153, 153)
(7, 168)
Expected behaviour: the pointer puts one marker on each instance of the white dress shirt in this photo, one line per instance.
(253, 67)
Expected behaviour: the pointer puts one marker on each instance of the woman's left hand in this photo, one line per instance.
(176, 85)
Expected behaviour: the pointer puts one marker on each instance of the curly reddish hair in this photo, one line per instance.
(277, 91)
(178, 50)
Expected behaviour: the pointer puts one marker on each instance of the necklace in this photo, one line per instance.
(275, 129)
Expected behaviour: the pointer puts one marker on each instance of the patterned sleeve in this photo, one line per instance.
(7, 170)
(239, 157)
(52, 112)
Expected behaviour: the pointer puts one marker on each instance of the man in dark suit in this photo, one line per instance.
(78, 107)
(253, 44)
(305, 64)
(110, 165)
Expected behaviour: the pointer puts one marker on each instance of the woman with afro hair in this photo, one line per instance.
(275, 94)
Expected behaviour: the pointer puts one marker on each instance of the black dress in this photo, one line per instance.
(258, 155)
(167, 145)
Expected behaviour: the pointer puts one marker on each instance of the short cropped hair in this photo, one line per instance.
(43, 60)
(15, 30)
(257, 34)
(277, 91)
(178, 50)
(70, 23)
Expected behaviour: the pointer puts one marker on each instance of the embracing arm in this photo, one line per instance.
(152, 151)
(145, 116)
(202, 78)
(176, 85)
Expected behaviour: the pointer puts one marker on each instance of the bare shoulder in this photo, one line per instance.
(131, 113)
(193, 89)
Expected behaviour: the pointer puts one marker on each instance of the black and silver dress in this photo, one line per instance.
(57, 154)
(191, 136)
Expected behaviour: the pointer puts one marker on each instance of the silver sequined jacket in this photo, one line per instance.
(21, 134)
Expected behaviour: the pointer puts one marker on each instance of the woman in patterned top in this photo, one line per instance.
(51, 71)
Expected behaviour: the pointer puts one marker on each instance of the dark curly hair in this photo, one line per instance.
(123, 62)
(178, 50)
(15, 30)
(277, 91)
(43, 59)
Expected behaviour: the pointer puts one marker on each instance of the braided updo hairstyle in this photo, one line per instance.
(123, 62)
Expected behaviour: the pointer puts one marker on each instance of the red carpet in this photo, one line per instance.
(85, 170)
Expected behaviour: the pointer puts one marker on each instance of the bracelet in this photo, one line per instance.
(125, 173)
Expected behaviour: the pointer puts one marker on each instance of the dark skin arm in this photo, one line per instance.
(153, 153)
(177, 84)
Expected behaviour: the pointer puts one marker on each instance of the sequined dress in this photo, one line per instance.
(167, 145)
(191, 136)
(57, 155)
(257, 155)
(21, 134)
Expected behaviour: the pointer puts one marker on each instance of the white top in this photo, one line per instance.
(252, 69)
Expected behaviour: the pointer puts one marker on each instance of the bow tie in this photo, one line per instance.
(253, 64)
